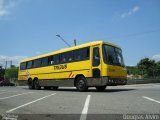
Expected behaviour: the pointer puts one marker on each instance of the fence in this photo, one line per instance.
(142, 81)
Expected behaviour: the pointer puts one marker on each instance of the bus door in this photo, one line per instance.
(96, 62)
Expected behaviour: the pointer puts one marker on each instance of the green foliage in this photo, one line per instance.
(2, 71)
(11, 72)
(146, 67)
(158, 69)
(133, 70)
(149, 68)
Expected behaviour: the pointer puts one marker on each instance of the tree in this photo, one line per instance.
(11, 72)
(2, 71)
(158, 69)
(133, 70)
(147, 67)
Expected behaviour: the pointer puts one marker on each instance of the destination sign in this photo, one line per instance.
(59, 67)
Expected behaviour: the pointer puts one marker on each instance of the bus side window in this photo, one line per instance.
(29, 64)
(52, 62)
(55, 59)
(62, 59)
(96, 56)
(67, 57)
(23, 66)
(77, 55)
(37, 63)
(81, 54)
(70, 56)
(85, 53)
(44, 61)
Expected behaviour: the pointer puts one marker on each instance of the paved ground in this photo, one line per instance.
(66, 103)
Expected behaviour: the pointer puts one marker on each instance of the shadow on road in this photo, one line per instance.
(89, 90)
(93, 90)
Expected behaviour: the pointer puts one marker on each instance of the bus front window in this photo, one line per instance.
(112, 55)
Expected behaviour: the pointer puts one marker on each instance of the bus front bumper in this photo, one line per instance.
(106, 81)
(116, 81)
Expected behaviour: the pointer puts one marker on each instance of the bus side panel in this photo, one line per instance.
(22, 75)
(61, 71)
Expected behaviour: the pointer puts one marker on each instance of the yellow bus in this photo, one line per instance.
(95, 64)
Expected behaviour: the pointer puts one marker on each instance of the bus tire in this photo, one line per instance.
(100, 88)
(55, 87)
(81, 84)
(30, 84)
(36, 84)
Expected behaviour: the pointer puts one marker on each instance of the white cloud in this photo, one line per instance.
(5, 6)
(3, 13)
(135, 9)
(156, 57)
(15, 60)
(130, 12)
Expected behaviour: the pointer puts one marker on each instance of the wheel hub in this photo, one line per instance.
(81, 83)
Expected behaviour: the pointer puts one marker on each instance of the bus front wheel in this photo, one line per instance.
(81, 84)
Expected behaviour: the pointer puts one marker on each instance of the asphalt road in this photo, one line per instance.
(118, 103)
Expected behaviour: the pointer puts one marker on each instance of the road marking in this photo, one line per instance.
(30, 103)
(14, 95)
(151, 99)
(85, 109)
(7, 92)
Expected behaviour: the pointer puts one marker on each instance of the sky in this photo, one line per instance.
(29, 27)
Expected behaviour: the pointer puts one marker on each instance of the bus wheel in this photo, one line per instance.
(101, 88)
(55, 87)
(81, 84)
(36, 84)
(30, 84)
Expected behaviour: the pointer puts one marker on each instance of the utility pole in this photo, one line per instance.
(64, 41)
(10, 63)
(75, 42)
(5, 65)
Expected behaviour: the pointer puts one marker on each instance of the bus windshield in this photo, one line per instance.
(112, 55)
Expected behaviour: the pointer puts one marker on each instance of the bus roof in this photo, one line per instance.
(71, 48)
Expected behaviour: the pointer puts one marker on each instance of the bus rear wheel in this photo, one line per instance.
(81, 84)
(36, 84)
(100, 88)
(30, 84)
